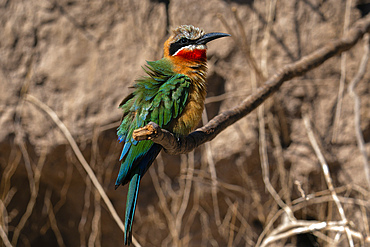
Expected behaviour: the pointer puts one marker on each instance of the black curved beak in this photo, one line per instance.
(209, 37)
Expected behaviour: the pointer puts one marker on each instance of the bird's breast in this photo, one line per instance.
(192, 113)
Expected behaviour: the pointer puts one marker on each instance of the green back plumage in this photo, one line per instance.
(159, 97)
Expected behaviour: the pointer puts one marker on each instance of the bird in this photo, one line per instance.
(172, 95)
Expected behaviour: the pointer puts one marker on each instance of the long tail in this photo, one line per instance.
(133, 189)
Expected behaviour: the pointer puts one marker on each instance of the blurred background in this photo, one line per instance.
(80, 58)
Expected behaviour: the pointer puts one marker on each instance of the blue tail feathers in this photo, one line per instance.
(135, 175)
(130, 206)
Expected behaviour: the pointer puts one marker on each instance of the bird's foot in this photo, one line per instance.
(145, 133)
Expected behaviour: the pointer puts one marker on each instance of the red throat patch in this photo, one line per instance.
(196, 54)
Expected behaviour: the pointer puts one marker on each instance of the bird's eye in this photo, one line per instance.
(183, 40)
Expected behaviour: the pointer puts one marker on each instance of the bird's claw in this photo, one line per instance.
(144, 133)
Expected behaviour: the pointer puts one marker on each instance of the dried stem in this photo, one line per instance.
(84, 213)
(95, 224)
(301, 227)
(232, 224)
(187, 190)
(36, 174)
(8, 172)
(265, 172)
(52, 219)
(279, 158)
(357, 113)
(327, 176)
(6, 191)
(343, 61)
(163, 205)
(310, 199)
(212, 170)
(63, 197)
(4, 237)
(196, 198)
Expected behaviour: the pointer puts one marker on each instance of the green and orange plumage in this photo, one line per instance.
(171, 95)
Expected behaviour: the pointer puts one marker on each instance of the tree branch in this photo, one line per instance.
(173, 145)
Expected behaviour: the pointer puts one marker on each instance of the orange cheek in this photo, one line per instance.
(195, 54)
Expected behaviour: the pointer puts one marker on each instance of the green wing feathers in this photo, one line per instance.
(159, 97)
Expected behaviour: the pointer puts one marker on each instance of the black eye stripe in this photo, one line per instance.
(174, 47)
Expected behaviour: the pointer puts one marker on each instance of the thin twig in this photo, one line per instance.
(279, 157)
(94, 238)
(254, 193)
(187, 190)
(301, 203)
(81, 158)
(326, 238)
(95, 224)
(63, 197)
(8, 172)
(27, 164)
(4, 237)
(299, 188)
(265, 172)
(52, 219)
(6, 191)
(223, 228)
(163, 204)
(196, 198)
(365, 220)
(347, 17)
(244, 223)
(65, 187)
(327, 176)
(36, 174)
(166, 180)
(357, 114)
(85, 212)
(212, 170)
(306, 226)
(232, 224)
(4, 219)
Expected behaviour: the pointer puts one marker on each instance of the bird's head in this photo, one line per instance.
(189, 43)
